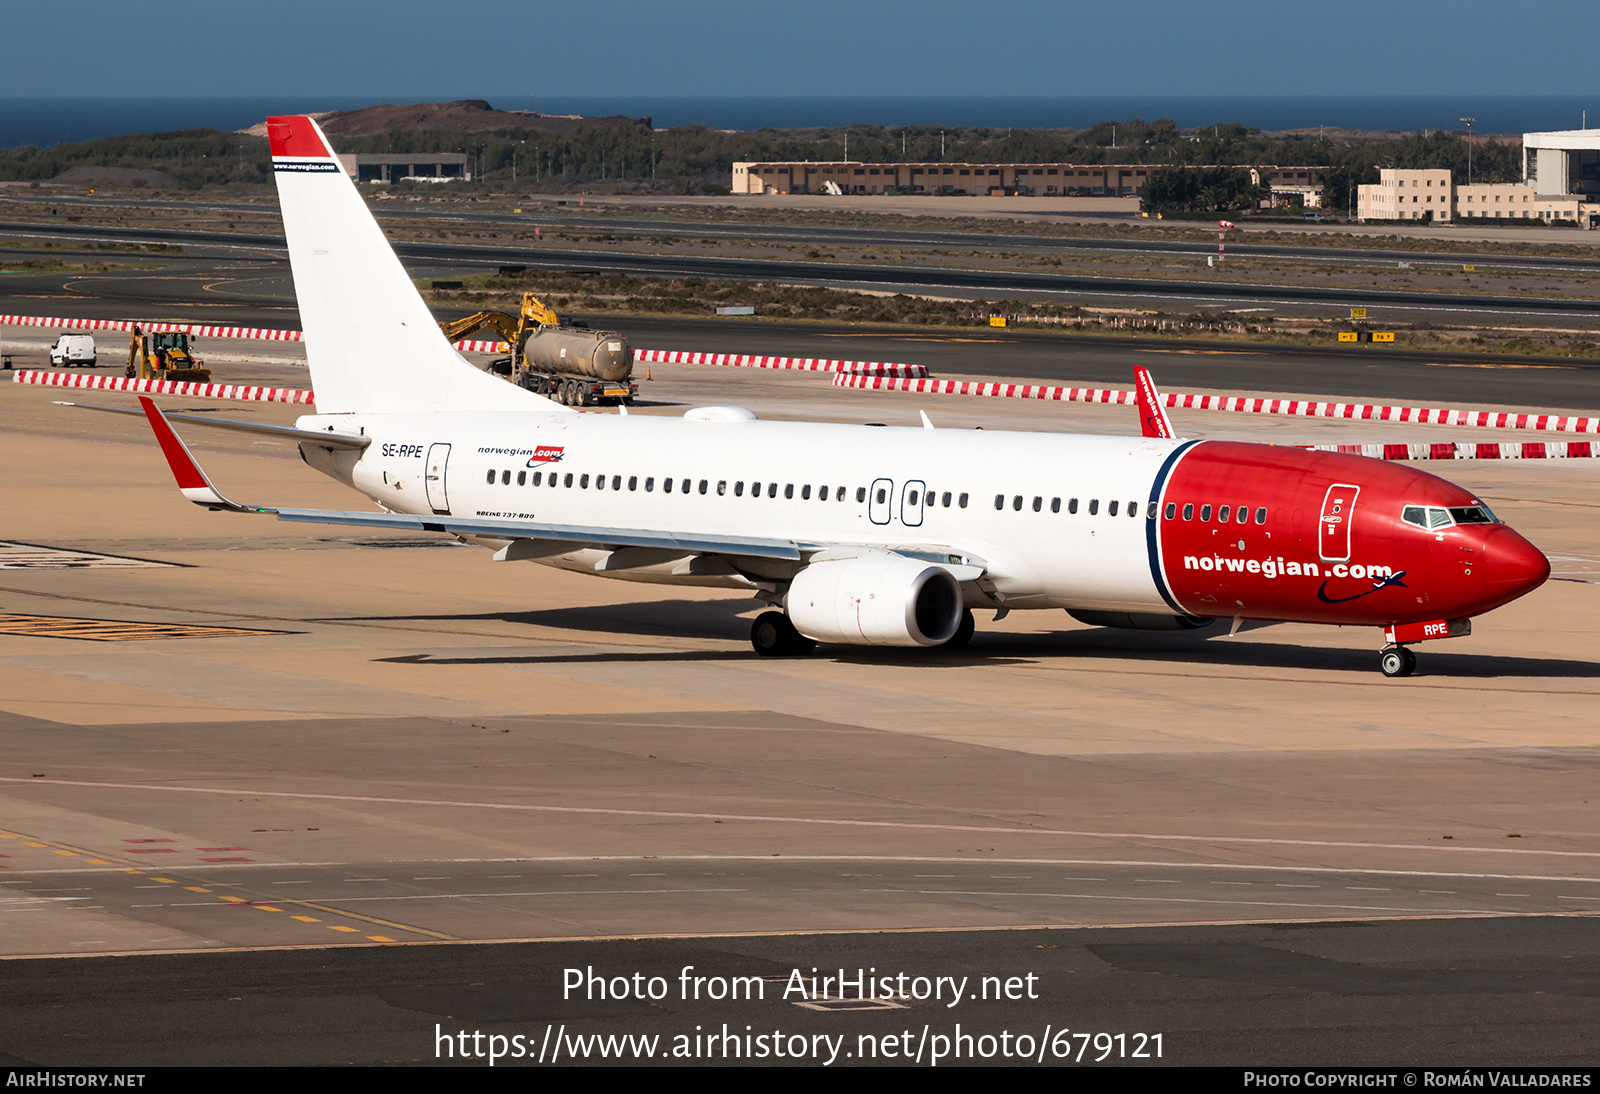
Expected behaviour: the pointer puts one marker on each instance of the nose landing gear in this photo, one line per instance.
(1397, 661)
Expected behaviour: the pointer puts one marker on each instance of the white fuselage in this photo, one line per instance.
(1069, 529)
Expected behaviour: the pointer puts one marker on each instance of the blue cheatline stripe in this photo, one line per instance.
(305, 165)
(1152, 528)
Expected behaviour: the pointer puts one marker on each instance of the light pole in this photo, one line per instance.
(1469, 122)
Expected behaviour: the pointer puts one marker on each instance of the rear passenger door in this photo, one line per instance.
(438, 464)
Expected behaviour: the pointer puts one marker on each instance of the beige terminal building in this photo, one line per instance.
(1560, 182)
(1027, 179)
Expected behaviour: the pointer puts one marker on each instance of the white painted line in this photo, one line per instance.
(825, 821)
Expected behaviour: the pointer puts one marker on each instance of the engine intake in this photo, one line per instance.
(876, 600)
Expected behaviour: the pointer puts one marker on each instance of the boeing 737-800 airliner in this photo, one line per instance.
(851, 534)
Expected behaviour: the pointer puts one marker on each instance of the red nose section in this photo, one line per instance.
(1514, 567)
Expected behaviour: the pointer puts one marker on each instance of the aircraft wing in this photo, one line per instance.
(196, 485)
(579, 536)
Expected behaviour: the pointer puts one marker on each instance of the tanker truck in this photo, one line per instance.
(566, 361)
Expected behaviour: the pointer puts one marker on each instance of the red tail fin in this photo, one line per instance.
(1153, 418)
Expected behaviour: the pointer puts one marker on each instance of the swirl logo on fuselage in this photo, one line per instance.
(546, 454)
(1382, 583)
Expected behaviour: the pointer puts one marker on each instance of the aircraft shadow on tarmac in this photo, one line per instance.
(1207, 646)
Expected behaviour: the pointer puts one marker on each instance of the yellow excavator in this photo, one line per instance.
(565, 361)
(164, 355)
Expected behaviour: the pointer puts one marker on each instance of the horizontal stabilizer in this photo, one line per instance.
(282, 432)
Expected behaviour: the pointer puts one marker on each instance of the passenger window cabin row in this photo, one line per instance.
(1225, 513)
(923, 497)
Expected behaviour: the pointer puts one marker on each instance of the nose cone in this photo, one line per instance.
(1513, 567)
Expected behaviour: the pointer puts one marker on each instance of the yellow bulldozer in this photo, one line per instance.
(164, 355)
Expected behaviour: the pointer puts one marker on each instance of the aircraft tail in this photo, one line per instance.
(370, 340)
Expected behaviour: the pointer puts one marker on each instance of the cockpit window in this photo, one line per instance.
(1471, 514)
(1434, 516)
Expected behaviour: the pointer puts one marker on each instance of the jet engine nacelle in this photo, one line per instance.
(878, 600)
(1141, 621)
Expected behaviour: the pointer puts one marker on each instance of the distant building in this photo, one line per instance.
(1566, 161)
(1431, 196)
(422, 166)
(1028, 179)
(1406, 195)
(1560, 182)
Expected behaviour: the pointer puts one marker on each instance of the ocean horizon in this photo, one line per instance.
(46, 121)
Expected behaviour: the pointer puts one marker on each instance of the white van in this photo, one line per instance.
(73, 349)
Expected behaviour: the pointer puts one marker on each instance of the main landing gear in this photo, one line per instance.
(1397, 661)
(773, 635)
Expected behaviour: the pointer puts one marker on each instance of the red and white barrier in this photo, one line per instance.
(199, 330)
(163, 387)
(1482, 419)
(804, 364)
(809, 364)
(1468, 450)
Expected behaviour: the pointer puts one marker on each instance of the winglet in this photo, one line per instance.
(1153, 418)
(192, 481)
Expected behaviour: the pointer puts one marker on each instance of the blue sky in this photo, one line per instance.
(409, 50)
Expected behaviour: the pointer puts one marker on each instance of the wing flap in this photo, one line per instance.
(578, 535)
